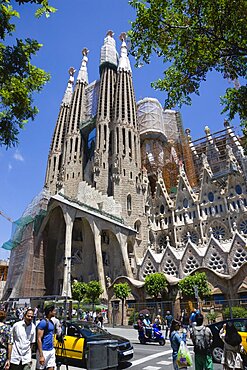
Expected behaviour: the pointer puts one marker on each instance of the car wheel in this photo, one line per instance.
(162, 342)
(217, 354)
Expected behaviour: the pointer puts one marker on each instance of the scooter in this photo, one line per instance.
(152, 334)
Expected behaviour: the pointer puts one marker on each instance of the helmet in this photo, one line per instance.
(147, 315)
(141, 315)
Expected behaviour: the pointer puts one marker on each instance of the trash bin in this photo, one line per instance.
(112, 355)
(102, 354)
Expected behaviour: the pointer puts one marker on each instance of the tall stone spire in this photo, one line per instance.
(73, 152)
(53, 178)
(126, 157)
(108, 72)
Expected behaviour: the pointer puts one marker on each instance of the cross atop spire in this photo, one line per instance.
(82, 75)
(69, 90)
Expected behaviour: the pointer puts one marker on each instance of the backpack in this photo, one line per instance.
(200, 341)
(45, 332)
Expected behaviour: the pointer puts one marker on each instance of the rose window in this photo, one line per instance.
(193, 236)
(243, 226)
(218, 231)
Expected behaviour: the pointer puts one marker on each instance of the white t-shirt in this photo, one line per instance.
(22, 336)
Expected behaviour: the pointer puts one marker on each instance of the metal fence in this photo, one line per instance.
(214, 310)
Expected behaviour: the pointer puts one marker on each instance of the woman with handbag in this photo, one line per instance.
(231, 359)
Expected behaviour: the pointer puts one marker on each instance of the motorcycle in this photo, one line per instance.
(151, 334)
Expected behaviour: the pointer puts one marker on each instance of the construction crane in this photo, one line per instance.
(5, 216)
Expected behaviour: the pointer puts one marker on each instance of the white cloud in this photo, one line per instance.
(17, 156)
(10, 167)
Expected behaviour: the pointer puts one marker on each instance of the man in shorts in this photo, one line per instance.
(45, 356)
(22, 338)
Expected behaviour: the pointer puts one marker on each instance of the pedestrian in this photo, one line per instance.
(23, 336)
(192, 319)
(175, 341)
(231, 358)
(46, 352)
(202, 339)
(5, 340)
(185, 321)
(168, 321)
(141, 331)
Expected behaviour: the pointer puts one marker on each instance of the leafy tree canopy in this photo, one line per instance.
(199, 280)
(19, 79)
(79, 290)
(94, 290)
(156, 284)
(194, 37)
(121, 290)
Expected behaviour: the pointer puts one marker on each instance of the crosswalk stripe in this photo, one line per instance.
(151, 357)
(151, 368)
(164, 363)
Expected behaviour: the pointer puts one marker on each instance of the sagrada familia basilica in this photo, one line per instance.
(128, 193)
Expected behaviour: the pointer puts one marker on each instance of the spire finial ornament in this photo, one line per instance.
(122, 36)
(69, 90)
(82, 75)
(110, 33)
(124, 63)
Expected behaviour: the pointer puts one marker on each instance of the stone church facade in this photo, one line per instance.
(128, 193)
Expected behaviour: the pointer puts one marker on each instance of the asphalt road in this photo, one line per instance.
(149, 356)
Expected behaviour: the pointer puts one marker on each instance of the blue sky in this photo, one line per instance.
(78, 24)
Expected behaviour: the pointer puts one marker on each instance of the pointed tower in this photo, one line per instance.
(108, 72)
(54, 171)
(126, 157)
(73, 160)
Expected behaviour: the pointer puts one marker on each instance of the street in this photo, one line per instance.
(146, 356)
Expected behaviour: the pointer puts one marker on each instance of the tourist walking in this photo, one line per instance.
(168, 322)
(5, 340)
(202, 339)
(231, 358)
(23, 335)
(45, 355)
(175, 341)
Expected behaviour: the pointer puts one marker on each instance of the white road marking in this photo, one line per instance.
(164, 363)
(151, 368)
(151, 357)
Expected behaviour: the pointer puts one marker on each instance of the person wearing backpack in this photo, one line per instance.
(202, 339)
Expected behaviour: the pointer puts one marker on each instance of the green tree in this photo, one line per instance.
(79, 290)
(192, 38)
(121, 291)
(156, 285)
(19, 79)
(94, 290)
(199, 280)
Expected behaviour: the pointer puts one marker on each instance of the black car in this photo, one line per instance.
(79, 335)
(217, 346)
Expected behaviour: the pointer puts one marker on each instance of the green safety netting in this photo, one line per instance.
(19, 226)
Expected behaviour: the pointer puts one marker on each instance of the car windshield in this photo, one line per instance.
(90, 329)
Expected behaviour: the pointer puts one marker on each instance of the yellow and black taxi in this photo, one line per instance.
(73, 348)
(217, 346)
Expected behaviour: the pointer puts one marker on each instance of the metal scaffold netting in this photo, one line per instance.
(19, 226)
